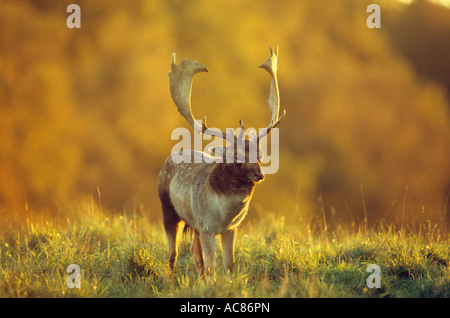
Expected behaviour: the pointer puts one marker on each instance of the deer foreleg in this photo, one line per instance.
(208, 241)
(197, 254)
(228, 249)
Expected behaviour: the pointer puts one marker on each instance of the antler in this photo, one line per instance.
(180, 79)
(270, 65)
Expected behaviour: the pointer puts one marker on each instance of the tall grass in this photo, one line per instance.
(125, 255)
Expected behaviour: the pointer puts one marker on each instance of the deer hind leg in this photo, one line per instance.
(197, 254)
(172, 234)
(171, 226)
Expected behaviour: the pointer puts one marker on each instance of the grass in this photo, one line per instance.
(126, 256)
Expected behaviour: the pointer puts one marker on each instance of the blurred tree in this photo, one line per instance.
(366, 113)
(421, 33)
(38, 153)
(81, 108)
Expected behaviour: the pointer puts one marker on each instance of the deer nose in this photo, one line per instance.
(259, 175)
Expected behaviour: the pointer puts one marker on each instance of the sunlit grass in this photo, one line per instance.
(126, 256)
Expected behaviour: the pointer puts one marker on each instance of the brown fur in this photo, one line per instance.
(212, 199)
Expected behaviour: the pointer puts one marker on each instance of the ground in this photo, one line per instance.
(125, 255)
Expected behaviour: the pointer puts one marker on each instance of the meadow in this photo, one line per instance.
(125, 255)
(365, 140)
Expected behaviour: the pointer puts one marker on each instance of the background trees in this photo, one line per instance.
(368, 111)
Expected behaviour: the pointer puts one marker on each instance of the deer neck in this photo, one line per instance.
(224, 181)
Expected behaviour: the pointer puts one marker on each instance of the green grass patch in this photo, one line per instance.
(126, 256)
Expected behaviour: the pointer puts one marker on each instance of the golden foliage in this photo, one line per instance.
(81, 108)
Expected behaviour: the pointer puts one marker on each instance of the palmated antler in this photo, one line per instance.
(270, 65)
(180, 79)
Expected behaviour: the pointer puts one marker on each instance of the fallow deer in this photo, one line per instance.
(211, 197)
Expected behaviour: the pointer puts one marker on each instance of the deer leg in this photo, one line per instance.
(228, 249)
(208, 241)
(171, 226)
(172, 235)
(197, 254)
